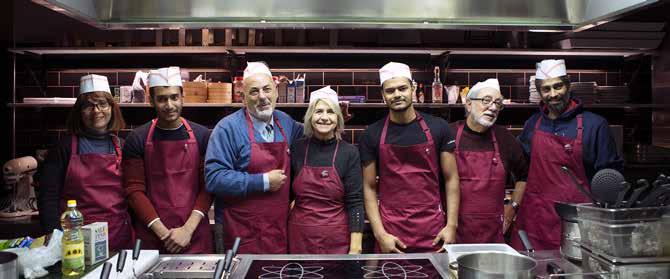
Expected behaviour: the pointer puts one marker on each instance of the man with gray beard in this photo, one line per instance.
(247, 167)
(486, 155)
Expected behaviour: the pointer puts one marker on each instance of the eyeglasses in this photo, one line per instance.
(487, 101)
(103, 106)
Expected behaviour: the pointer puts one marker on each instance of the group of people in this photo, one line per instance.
(288, 187)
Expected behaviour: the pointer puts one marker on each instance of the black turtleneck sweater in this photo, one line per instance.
(348, 166)
(52, 173)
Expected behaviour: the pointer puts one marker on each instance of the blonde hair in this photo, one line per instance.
(308, 130)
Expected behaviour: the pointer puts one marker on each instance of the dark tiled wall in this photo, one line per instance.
(41, 128)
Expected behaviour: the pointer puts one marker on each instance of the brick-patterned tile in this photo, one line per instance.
(366, 78)
(512, 79)
(219, 77)
(338, 78)
(519, 94)
(70, 79)
(614, 79)
(53, 78)
(352, 90)
(457, 79)
(314, 78)
(599, 78)
(348, 135)
(28, 91)
(374, 93)
(125, 78)
(478, 77)
(62, 91)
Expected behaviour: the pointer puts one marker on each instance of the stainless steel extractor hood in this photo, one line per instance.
(529, 15)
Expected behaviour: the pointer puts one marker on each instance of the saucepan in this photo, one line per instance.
(9, 265)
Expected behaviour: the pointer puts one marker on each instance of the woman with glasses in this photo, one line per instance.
(486, 155)
(86, 166)
(328, 215)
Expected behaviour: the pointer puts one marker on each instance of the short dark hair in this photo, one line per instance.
(565, 79)
(76, 126)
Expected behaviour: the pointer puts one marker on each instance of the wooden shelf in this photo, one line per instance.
(352, 106)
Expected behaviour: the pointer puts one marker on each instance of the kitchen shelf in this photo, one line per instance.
(323, 50)
(353, 106)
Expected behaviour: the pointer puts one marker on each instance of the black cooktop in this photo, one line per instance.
(349, 269)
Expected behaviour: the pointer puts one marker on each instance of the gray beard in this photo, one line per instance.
(265, 115)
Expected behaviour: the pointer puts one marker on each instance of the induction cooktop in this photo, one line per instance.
(349, 269)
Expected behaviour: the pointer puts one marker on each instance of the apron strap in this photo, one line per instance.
(117, 149)
(74, 146)
(419, 118)
(459, 133)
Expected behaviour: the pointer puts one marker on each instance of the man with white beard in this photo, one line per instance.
(486, 154)
(247, 167)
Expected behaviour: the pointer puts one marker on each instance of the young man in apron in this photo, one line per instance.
(409, 151)
(163, 173)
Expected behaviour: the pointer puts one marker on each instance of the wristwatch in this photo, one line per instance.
(514, 204)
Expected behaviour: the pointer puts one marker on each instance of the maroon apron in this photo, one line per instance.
(173, 182)
(260, 220)
(409, 191)
(547, 183)
(94, 180)
(482, 178)
(318, 223)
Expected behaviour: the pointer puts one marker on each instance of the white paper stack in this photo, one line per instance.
(534, 96)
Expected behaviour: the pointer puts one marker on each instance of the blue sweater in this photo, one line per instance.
(599, 149)
(229, 152)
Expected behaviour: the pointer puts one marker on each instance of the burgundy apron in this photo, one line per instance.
(94, 180)
(318, 223)
(173, 182)
(482, 178)
(547, 184)
(260, 220)
(409, 191)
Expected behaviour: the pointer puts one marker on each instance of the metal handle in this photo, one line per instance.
(121, 261)
(106, 269)
(136, 249)
(236, 246)
(218, 272)
(228, 264)
(526, 241)
(581, 274)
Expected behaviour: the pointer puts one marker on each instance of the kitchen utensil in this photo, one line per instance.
(456, 250)
(579, 186)
(218, 272)
(136, 254)
(566, 211)
(657, 197)
(106, 270)
(526, 242)
(120, 262)
(622, 195)
(495, 265)
(236, 245)
(606, 184)
(642, 186)
(228, 264)
(570, 236)
(9, 265)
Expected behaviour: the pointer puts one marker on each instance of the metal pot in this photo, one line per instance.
(570, 236)
(495, 265)
(9, 265)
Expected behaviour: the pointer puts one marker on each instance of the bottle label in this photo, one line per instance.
(73, 255)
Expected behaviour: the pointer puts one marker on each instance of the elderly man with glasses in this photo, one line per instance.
(486, 155)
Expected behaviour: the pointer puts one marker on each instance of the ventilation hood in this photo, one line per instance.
(519, 15)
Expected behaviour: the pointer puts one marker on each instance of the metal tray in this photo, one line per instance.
(192, 266)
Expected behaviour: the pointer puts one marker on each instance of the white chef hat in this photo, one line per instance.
(324, 93)
(394, 69)
(93, 83)
(256, 68)
(489, 83)
(550, 68)
(169, 76)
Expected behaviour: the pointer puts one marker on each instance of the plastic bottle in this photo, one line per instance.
(73, 241)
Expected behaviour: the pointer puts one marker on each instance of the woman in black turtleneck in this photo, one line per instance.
(85, 166)
(328, 214)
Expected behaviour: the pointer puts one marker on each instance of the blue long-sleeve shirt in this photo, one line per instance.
(229, 152)
(599, 150)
